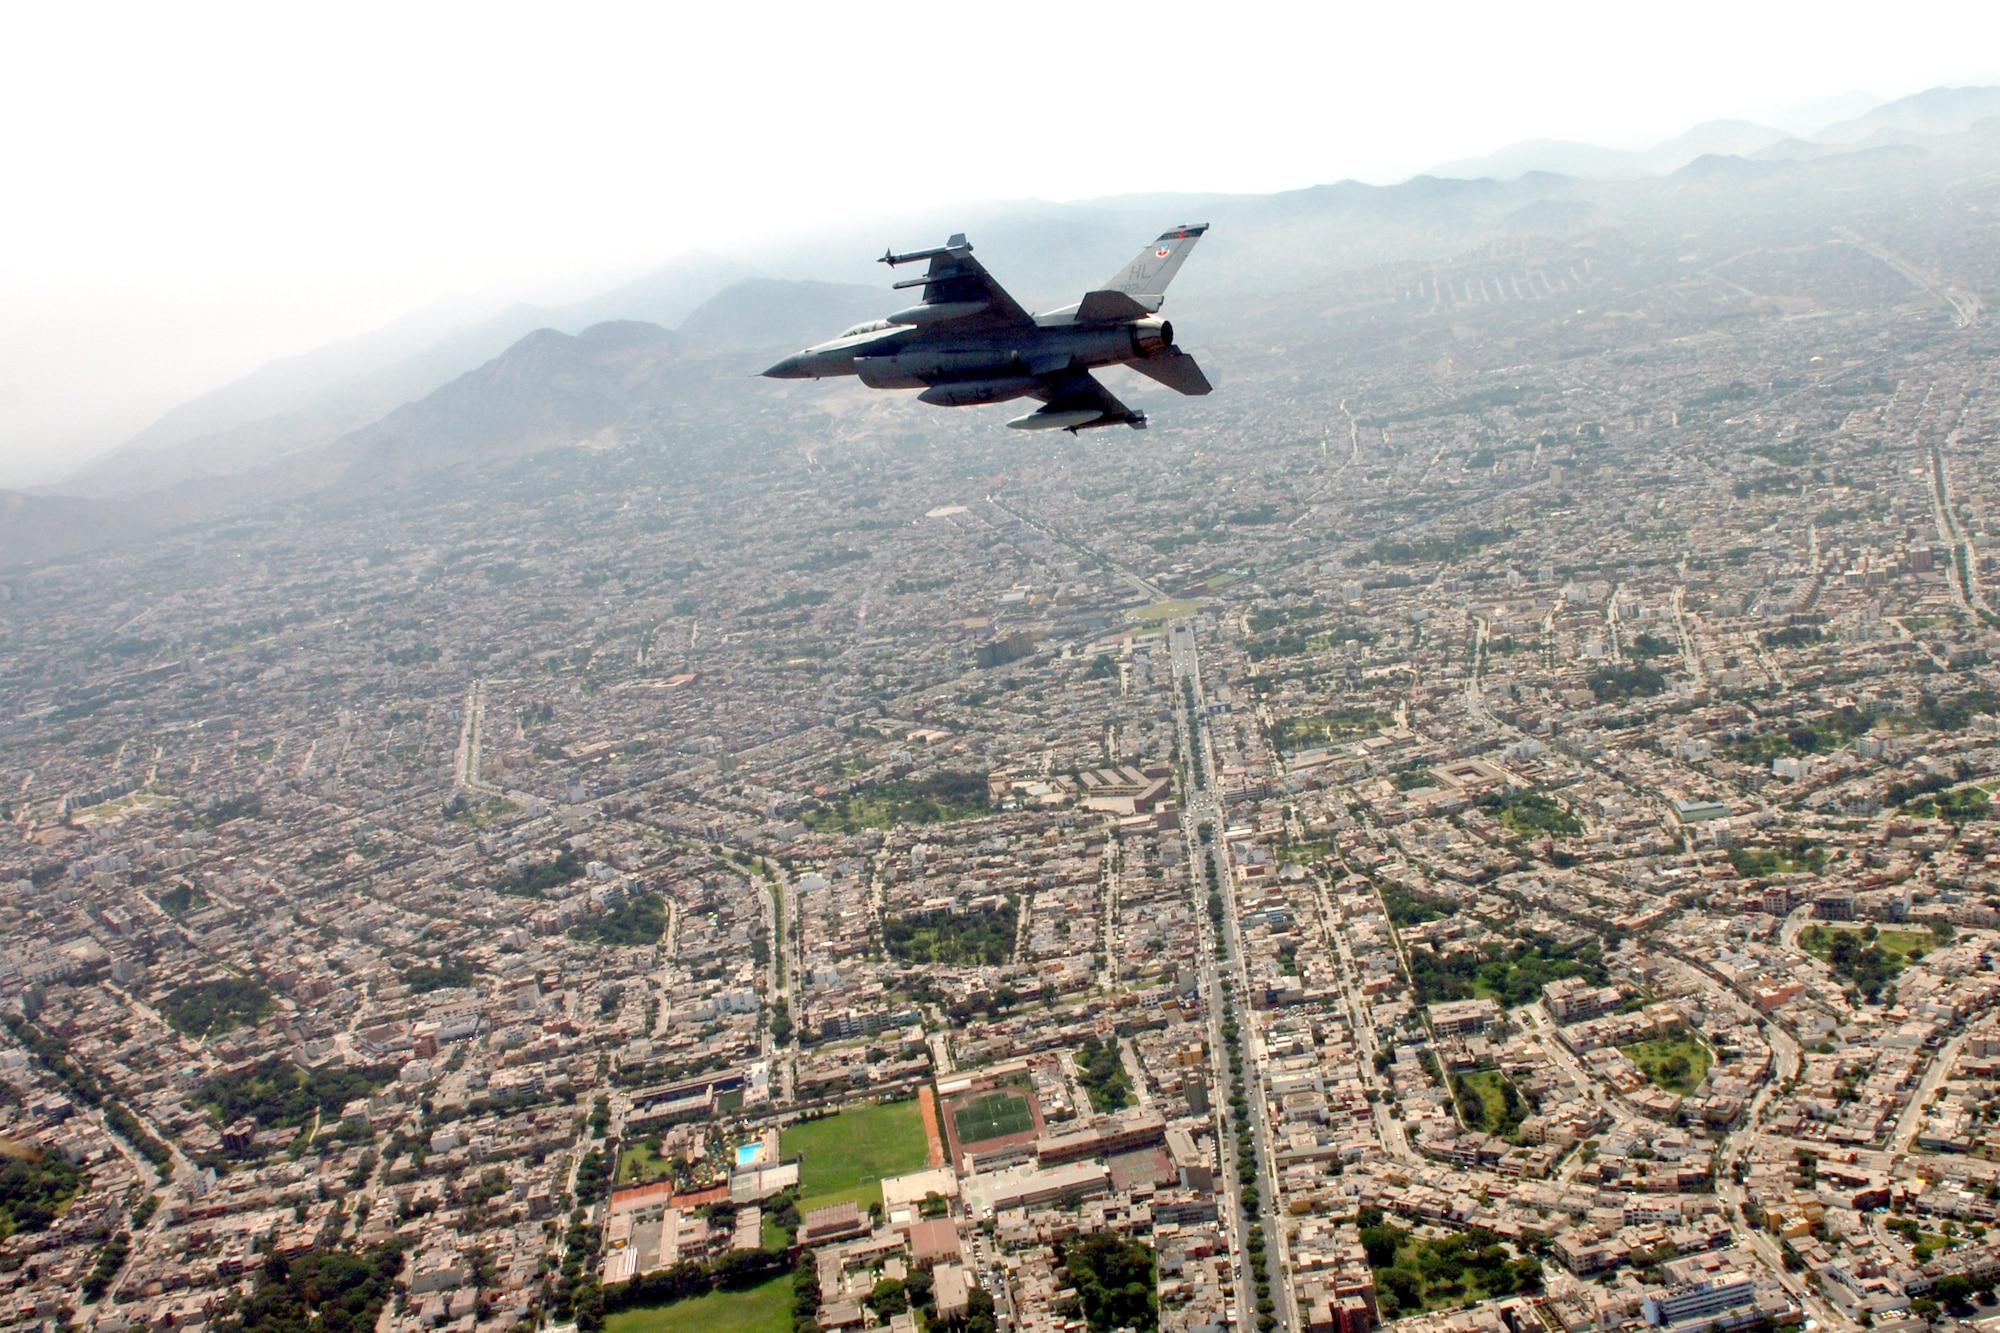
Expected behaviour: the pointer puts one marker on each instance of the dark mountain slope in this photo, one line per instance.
(548, 389)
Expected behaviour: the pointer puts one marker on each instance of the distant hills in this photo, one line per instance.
(548, 389)
(1938, 111)
(305, 402)
(669, 356)
(1586, 161)
(771, 312)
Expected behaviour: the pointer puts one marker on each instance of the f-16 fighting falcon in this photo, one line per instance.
(968, 342)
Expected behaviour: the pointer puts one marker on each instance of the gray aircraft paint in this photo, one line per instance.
(967, 342)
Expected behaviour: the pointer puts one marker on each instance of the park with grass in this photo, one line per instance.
(1488, 1100)
(1925, 1244)
(937, 798)
(1788, 858)
(1868, 957)
(641, 1164)
(461, 811)
(981, 938)
(1531, 814)
(636, 923)
(764, 1308)
(1675, 1064)
(1174, 609)
(1616, 684)
(202, 1008)
(1958, 805)
(1325, 728)
(1511, 975)
(1905, 946)
(35, 1187)
(846, 1156)
(1441, 1270)
(1899, 947)
(1100, 1067)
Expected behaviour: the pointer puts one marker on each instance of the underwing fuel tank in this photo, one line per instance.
(1045, 419)
(972, 393)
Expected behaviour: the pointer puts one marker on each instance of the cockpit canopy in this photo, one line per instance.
(872, 326)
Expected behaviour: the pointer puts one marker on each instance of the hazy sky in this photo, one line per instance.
(189, 190)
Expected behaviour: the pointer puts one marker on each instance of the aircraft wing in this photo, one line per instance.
(956, 279)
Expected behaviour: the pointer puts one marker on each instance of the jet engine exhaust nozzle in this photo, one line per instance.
(1152, 336)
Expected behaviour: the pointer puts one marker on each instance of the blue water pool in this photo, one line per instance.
(746, 1153)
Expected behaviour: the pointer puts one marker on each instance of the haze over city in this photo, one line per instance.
(196, 193)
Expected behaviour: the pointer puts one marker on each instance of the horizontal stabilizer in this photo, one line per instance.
(1175, 369)
(1106, 307)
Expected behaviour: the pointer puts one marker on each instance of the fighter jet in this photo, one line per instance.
(967, 342)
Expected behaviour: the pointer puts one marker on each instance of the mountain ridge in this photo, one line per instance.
(1932, 112)
(1588, 161)
(305, 402)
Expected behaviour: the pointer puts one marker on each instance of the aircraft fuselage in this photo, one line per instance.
(958, 369)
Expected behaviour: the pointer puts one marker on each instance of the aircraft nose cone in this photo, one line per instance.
(791, 368)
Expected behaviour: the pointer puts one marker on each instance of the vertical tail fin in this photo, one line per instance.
(1145, 279)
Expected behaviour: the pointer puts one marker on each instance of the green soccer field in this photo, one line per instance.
(848, 1155)
(993, 1116)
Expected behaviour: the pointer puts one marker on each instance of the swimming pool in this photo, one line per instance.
(746, 1153)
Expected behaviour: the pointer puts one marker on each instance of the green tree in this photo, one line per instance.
(888, 1298)
(1114, 1282)
(322, 1291)
(1381, 1242)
